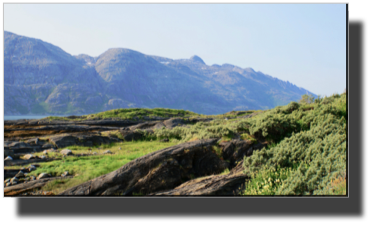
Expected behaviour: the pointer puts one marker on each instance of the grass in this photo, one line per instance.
(89, 167)
(225, 172)
(305, 153)
(132, 114)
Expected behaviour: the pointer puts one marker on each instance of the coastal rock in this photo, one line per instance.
(66, 152)
(43, 175)
(130, 135)
(48, 146)
(173, 122)
(14, 179)
(8, 158)
(29, 156)
(62, 141)
(19, 174)
(161, 170)
(227, 185)
(159, 125)
(8, 153)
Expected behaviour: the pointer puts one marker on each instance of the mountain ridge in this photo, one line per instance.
(40, 78)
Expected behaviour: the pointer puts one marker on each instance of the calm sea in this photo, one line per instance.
(17, 117)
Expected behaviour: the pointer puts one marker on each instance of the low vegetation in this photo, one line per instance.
(131, 114)
(305, 153)
(90, 165)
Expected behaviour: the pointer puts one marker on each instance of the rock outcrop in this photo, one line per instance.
(166, 169)
(223, 185)
(161, 170)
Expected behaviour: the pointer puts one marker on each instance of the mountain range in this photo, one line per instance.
(40, 78)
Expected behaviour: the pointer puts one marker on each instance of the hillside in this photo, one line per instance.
(40, 78)
(297, 149)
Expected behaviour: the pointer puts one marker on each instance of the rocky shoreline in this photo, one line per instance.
(191, 168)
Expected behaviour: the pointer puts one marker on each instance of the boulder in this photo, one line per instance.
(66, 152)
(159, 125)
(173, 122)
(8, 158)
(8, 153)
(34, 141)
(14, 179)
(62, 141)
(19, 174)
(8, 184)
(48, 146)
(43, 175)
(107, 152)
(66, 173)
(31, 168)
(130, 135)
(29, 156)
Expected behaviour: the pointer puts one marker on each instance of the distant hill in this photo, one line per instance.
(40, 78)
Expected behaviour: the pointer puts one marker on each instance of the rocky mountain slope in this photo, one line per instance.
(40, 78)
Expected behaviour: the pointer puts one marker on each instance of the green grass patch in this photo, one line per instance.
(85, 168)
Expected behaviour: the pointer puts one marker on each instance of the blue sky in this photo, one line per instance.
(301, 43)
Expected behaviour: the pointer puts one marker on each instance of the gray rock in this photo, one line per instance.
(7, 180)
(63, 140)
(32, 178)
(14, 179)
(14, 182)
(157, 171)
(43, 175)
(47, 146)
(20, 174)
(8, 184)
(8, 158)
(107, 152)
(42, 157)
(66, 173)
(66, 152)
(31, 168)
(29, 156)
(171, 123)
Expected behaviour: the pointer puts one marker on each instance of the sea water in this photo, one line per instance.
(17, 117)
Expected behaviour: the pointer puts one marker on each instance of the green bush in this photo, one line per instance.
(314, 155)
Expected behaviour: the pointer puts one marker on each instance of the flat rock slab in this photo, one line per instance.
(24, 162)
(227, 185)
(24, 187)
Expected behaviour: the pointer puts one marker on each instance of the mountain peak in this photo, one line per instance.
(197, 59)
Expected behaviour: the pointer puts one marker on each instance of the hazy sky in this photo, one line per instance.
(301, 43)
